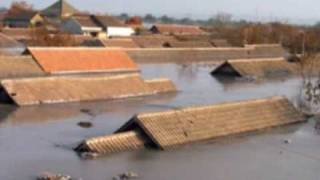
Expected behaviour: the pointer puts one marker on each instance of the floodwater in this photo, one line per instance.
(40, 139)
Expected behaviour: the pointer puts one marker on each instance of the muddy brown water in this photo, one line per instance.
(40, 139)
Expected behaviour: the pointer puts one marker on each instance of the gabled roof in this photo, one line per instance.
(63, 89)
(176, 29)
(152, 41)
(178, 127)
(172, 128)
(75, 60)
(19, 66)
(121, 42)
(261, 68)
(107, 21)
(190, 44)
(21, 16)
(8, 42)
(61, 8)
(86, 20)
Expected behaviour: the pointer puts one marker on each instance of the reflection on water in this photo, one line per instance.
(29, 136)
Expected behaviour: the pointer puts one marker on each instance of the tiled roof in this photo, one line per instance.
(85, 20)
(179, 127)
(69, 60)
(22, 15)
(106, 21)
(17, 33)
(111, 144)
(220, 43)
(261, 68)
(63, 89)
(184, 44)
(8, 42)
(176, 29)
(61, 8)
(18, 66)
(123, 43)
(152, 41)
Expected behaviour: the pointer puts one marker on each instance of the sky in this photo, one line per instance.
(296, 11)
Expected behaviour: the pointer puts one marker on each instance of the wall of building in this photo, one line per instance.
(120, 31)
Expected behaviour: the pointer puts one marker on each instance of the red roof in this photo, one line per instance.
(63, 60)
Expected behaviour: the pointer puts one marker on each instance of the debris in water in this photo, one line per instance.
(85, 124)
(88, 155)
(87, 111)
(126, 176)
(287, 141)
(50, 176)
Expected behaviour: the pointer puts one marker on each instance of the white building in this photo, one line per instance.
(113, 27)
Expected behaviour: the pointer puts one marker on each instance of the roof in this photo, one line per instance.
(85, 20)
(176, 29)
(172, 128)
(272, 67)
(121, 42)
(8, 42)
(220, 43)
(152, 41)
(18, 66)
(63, 89)
(183, 44)
(187, 55)
(17, 33)
(21, 16)
(106, 21)
(70, 60)
(61, 8)
(111, 144)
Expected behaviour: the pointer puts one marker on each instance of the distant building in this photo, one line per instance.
(113, 26)
(82, 24)
(60, 9)
(23, 19)
(96, 26)
(172, 29)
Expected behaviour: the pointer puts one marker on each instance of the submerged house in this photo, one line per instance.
(259, 68)
(113, 26)
(173, 128)
(82, 24)
(174, 29)
(23, 19)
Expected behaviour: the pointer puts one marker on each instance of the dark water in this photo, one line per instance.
(38, 139)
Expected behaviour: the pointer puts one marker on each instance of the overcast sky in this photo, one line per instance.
(293, 10)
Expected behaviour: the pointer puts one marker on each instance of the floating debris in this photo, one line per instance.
(126, 176)
(50, 176)
(287, 141)
(85, 124)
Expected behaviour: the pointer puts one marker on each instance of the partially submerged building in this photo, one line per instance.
(82, 24)
(259, 68)
(23, 19)
(113, 42)
(174, 29)
(82, 60)
(113, 27)
(174, 128)
(63, 89)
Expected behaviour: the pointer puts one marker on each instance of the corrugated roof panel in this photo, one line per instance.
(69, 60)
(48, 90)
(126, 141)
(177, 127)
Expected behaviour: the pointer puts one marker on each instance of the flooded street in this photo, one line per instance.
(40, 139)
